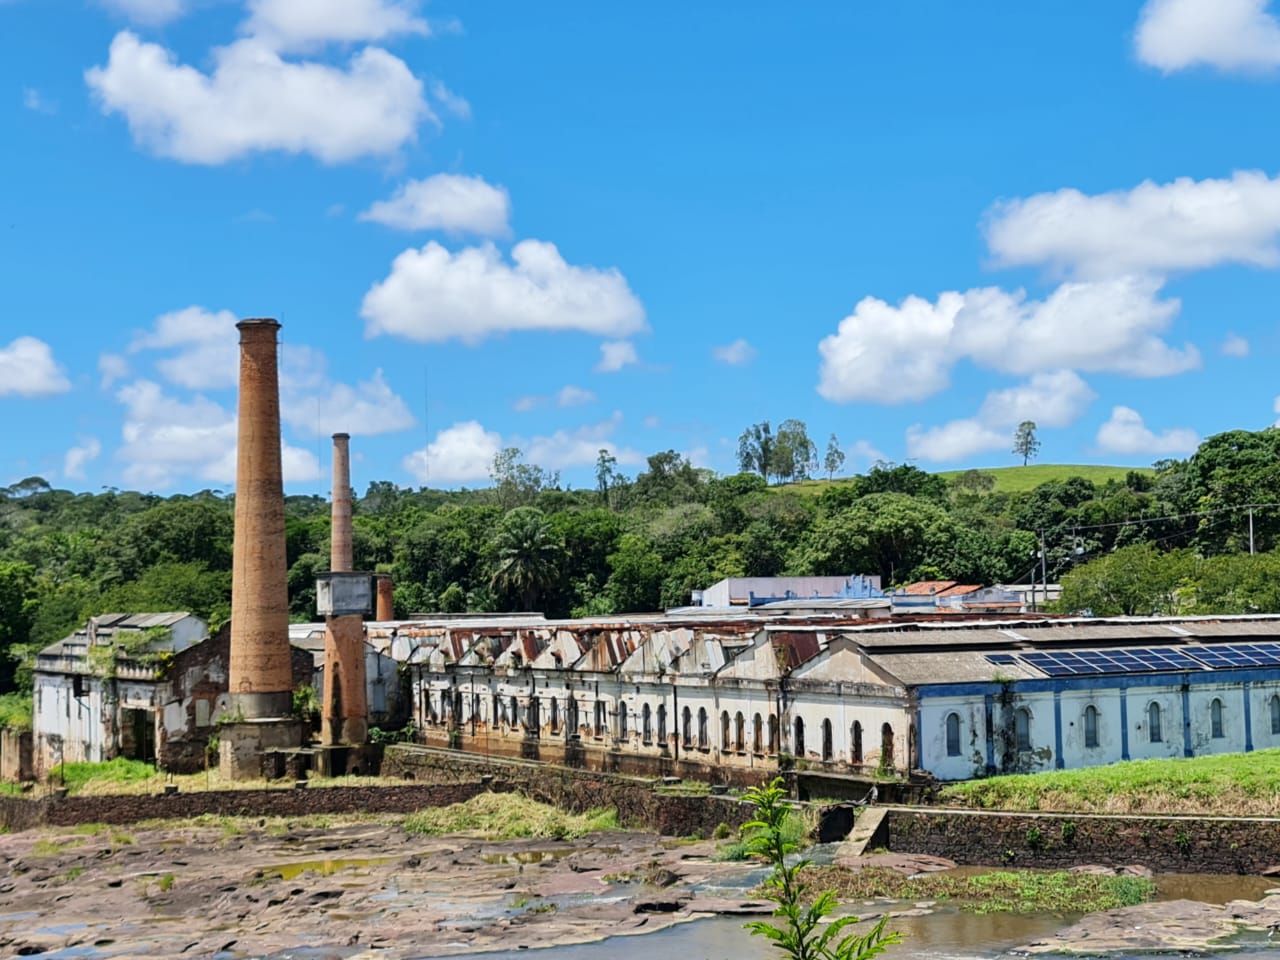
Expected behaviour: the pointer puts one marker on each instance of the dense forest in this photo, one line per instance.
(1176, 539)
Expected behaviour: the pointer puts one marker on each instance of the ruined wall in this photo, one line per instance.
(1060, 841)
(16, 755)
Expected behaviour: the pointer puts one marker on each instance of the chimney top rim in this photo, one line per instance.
(250, 322)
(342, 436)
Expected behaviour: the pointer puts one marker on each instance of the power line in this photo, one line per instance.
(1173, 516)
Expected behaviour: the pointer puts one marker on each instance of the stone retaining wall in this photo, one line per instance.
(1059, 841)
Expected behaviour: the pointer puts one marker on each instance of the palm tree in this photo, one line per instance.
(528, 554)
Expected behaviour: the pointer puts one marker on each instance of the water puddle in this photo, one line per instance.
(520, 857)
(324, 868)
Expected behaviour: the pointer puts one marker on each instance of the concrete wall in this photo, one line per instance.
(1059, 841)
(16, 755)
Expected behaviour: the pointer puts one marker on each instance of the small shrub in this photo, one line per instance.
(1034, 838)
(722, 831)
(165, 882)
(1068, 832)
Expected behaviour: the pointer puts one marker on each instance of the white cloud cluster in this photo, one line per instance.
(735, 354)
(1227, 34)
(433, 294)
(256, 101)
(28, 369)
(206, 345)
(307, 24)
(1235, 346)
(1125, 433)
(1055, 399)
(449, 202)
(1153, 228)
(464, 451)
(37, 102)
(889, 354)
(166, 438)
(321, 408)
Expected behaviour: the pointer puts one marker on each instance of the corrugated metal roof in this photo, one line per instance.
(915, 669)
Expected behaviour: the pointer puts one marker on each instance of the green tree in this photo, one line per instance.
(516, 483)
(833, 462)
(527, 555)
(17, 607)
(1025, 443)
(755, 450)
(636, 574)
(1131, 581)
(794, 455)
(606, 469)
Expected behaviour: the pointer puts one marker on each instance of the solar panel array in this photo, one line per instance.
(1076, 663)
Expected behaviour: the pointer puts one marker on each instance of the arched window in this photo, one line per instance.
(602, 715)
(1215, 718)
(1022, 729)
(1275, 716)
(1153, 723)
(686, 719)
(534, 725)
(497, 710)
(622, 720)
(662, 724)
(799, 737)
(953, 734)
(857, 742)
(828, 748)
(1091, 726)
(515, 712)
(572, 712)
(757, 734)
(724, 729)
(739, 732)
(773, 733)
(704, 738)
(886, 746)
(646, 724)
(555, 715)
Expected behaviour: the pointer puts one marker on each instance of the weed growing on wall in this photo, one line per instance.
(799, 931)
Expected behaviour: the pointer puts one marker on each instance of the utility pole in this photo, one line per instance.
(1044, 568)
(1251, 530)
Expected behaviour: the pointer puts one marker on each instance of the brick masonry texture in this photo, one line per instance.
(1060, 841)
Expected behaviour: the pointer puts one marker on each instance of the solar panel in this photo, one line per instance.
(1002, 659)
(1064, 663)
(1233, 655)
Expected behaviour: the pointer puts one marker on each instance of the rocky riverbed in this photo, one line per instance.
(247, 891)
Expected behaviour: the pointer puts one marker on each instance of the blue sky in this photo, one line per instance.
(592, 225)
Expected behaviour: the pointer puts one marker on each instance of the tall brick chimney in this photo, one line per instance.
(260, 674)
(344, 715)
(340, 558)
(261, 680)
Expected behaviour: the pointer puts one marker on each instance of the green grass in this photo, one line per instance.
(1025, 479)
(1241, 784)
(100, 777)
(1004, 891)
(504, 816)
(15, 711)
(797, 828)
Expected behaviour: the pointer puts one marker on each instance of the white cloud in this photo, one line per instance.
(28, 369)
(735, 354)
(432, 295)
(1055, 399)
(571, 396)
(166, 438)
(616, 354)
(80, 456)
(1227, 34)
(113, 367)
(464, 451)
(525, 404)
(888, 354)
(306, 24)
(953, 441)
(1125, 433)
(1153, 228)
(322, 408)
(254, 101)
(1235, 346)
(150, 12)
(864, 450)
(452, 102)
(651, 422)
(207, 347)
(448, 202)
(576, 447)
(35, 101)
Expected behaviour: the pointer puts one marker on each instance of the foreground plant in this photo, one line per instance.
(801, 932)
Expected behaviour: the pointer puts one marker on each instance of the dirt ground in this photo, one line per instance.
(258, 888)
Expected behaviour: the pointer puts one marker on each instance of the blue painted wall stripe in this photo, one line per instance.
(1186, 721)
(1124, 720)
(1057, 729)
(1248, 719)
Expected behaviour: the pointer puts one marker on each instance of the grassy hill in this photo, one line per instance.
(1008, 479)
(1021, 479)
